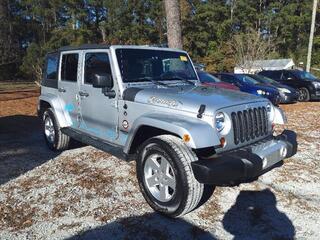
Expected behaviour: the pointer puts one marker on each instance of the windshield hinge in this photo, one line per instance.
(201, 110)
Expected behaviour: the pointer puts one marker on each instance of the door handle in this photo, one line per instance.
(61, 89)
(83, 94)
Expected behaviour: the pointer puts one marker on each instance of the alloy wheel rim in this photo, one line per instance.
(159, 177)
(302, 95)
(49, 129)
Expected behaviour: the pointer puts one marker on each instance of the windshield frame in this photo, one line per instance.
(115, 49)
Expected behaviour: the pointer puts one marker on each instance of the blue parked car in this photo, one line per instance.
(250, 85)
(287, 94)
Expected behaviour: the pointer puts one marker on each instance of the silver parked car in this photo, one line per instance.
(147, 104)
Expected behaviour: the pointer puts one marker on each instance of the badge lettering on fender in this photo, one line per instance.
(161, 101)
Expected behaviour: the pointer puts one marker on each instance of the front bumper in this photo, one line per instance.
(247, 164)
(289, 98)
(274, 99)
(315, 95)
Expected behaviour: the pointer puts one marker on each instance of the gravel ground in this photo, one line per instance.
(84, 193)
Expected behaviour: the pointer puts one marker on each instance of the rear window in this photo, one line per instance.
(52, 66)
(69, 67)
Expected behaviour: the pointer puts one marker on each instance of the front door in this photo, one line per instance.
(99, 114)
(290, 79)
(68, 86)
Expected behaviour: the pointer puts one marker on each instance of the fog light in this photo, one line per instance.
(283, 152)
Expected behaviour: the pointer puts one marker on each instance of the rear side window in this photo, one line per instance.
(208, 78)
(69, 67)
(52, 66)
(272, 74)
(96, 63)
(227, 78)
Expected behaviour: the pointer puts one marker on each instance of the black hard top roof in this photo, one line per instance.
(84, 47)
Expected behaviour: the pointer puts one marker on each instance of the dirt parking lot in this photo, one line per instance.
(84, 193)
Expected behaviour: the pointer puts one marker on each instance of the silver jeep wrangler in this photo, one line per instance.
(147, 104)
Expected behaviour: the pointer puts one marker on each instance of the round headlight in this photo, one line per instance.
(261, 92)
(220, 121)
(270, 110)
(268, 107)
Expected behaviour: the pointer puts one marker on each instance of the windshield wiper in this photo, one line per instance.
(180, 78)
(147, 79)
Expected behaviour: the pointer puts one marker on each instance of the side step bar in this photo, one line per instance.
(98, 143)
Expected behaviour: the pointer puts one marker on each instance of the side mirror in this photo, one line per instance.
(101, 80)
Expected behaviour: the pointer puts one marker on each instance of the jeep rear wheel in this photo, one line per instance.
(165, 176)
(55, 139)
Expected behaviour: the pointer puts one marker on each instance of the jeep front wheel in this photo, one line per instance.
(165, 176)
(55, 139)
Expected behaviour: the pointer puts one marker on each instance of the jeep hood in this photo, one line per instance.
(189, 98)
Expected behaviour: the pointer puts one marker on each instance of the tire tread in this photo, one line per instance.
(186, 156)
(63, 140)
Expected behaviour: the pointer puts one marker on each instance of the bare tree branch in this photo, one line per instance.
(248, 48)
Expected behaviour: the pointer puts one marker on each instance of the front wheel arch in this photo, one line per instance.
(144, 133)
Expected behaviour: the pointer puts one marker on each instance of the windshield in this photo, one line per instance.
(207, 78)
(246, 79)
(304, 75)
(139, 65)
(263, 79)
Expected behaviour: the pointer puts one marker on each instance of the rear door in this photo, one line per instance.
(68, 86)
(99, 113)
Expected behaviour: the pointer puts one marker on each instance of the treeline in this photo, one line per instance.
(31, 28)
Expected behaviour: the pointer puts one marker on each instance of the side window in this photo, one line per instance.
(52, 66)
(287, 76)
(227, 79)
(96, 63)
(266, 73)
(218, 76)
(69, 67)
(275, 75)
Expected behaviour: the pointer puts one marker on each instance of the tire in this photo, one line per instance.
(304, 95)
(182, 191)
(55, 139)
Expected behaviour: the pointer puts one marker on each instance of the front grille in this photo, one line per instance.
(249, 124)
